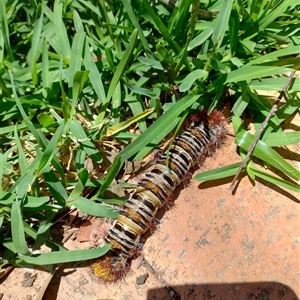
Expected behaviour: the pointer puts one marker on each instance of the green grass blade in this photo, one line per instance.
(234, 25)
(64, 256)
(275, 180)
(112, 173)
(219, 173)
(4, 166)
(17, 228)
(80, 185)
(274, 84)
(241, 104)
(4, 28)
(55, 186)
(251, 72)
(81, 137)
(94, 75)
(161, 27)
(158, 130)
(60, 30)
(92, 208)
(36, 36)
(274, 13)
(201, 38)
(123, 125)
(135, 22)
(76, 57)
(153, 63)
(122, 66)
(45, 66)
(222, 23)
(43, 233)
(274, 55)
(51, 148)
(32, 233)
(33, 202)
(189, 80)
(23, 164)
(26, 179)
(267, 154)
(140, 91)
(77, 22)
(277, 139)
(79, 80)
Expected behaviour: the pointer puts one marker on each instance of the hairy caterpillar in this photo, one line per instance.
(200, 139)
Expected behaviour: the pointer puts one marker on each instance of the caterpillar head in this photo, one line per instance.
(111, 267)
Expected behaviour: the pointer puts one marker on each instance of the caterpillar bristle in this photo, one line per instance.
(170, 201)
(156, 188)
(186, 180)
(152, 226)
(110, 269)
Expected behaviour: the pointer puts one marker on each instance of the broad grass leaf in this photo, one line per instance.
(189, 80)
(233, 29)
(201, 38)
(247, 73)
(35, 201)
(277, 139)
(241, 103)
(45, 119)
(153, 63)
(5, 30)
(274, 84)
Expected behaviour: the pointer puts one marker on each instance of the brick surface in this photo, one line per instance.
(214, 244)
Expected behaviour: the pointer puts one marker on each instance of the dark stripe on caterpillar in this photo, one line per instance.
(198, 140)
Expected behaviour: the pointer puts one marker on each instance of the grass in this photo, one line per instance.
(84, 80)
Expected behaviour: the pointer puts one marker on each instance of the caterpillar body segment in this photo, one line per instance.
(200, 139)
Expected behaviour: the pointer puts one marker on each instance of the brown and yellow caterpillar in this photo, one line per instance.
(200, 139)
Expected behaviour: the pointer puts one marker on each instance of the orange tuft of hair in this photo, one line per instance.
(111, 268)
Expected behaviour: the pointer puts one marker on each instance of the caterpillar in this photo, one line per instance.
(155, 189)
